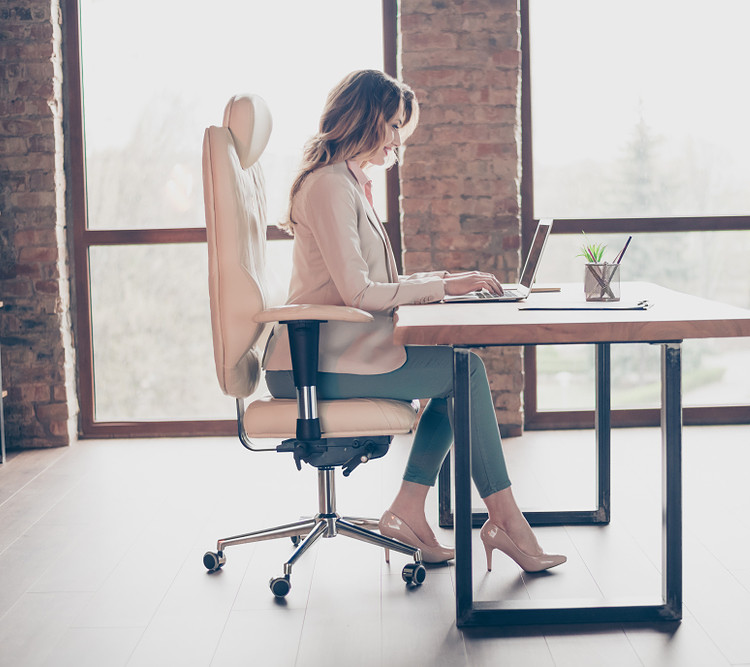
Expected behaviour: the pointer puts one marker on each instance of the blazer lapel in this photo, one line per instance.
(390, 260)
(374, 220)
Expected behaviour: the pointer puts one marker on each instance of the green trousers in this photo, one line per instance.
(427, 373)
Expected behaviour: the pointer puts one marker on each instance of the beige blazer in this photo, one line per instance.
(342, 257)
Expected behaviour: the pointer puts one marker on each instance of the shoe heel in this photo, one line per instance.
(387, 555)
(494, 537)
(488, 552)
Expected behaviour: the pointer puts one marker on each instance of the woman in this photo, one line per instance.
(342, 257)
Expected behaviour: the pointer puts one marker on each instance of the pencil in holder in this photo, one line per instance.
(601, 282)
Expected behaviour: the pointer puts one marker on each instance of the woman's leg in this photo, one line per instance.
(427, 373)
(432, 442)
(495, 491)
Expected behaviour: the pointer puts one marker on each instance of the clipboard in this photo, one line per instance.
(643, 304)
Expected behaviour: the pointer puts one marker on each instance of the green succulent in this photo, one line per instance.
(592, 252)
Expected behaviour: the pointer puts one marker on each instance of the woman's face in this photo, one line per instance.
(392, 140)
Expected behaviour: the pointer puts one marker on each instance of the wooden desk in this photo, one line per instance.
(672, 318)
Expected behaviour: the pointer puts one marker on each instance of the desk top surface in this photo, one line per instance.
(674, 316)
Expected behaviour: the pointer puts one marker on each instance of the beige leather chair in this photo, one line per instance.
(324, 434)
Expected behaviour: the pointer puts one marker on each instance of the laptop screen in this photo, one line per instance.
(535, 252)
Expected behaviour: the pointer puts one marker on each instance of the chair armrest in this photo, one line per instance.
(303, 322)
(313, 312)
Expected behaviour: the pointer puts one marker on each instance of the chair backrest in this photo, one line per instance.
(235, 202)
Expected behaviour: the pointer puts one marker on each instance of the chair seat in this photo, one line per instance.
(270, 417)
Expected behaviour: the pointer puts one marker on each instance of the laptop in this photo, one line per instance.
(523, 289)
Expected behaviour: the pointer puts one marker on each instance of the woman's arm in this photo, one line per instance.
(463, 282)
(425, 274)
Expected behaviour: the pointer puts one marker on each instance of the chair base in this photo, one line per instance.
(327, 523)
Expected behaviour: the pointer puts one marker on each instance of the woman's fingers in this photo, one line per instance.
(489, 282)
(477, 280)
(472, 281)
(497, 286)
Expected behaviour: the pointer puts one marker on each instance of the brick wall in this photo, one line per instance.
(461, 172)
(37, 357)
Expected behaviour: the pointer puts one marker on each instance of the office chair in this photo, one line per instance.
(323, 434)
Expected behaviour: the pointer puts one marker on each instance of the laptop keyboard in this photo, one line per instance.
(486, 294)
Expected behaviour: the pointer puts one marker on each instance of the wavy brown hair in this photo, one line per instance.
(354, 123)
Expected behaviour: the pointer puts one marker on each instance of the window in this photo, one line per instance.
(153, 76)
(634, 123)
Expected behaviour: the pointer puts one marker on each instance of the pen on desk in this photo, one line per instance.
(618, 259)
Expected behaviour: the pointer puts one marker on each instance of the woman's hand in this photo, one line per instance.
(457, 284)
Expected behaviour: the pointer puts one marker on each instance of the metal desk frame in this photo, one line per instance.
(470, 613)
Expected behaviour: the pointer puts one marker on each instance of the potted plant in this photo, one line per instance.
(601, 279)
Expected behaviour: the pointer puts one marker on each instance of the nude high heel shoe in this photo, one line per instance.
(494, 537)
(392, 526)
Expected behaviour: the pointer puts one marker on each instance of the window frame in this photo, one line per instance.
(534, 419)
(84, 238)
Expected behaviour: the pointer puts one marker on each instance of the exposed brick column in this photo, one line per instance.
(35, 330)
(460, 181)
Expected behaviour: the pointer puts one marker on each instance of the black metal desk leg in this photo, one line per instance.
(603, 427)
(445, 498)
(671, 435)
(523, 612)
(462, 454)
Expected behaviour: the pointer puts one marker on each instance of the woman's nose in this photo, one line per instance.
(396, 137)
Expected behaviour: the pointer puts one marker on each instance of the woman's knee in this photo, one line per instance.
(478, 374)
(438, 406)
(476, 364)
(280, 384)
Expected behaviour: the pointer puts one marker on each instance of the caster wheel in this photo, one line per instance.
(280, 586)
(296, 539)
(214, 560)
(414, 574)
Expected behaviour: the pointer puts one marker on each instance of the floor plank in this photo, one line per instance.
(594, 648)
(345, 596)
(93, 647)
(417, 625)
(685, 645)
(38, 621)
(269, 638)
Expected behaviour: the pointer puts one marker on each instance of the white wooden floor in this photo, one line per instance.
(101, 547)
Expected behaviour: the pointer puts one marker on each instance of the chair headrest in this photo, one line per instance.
(249, 120)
